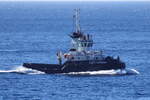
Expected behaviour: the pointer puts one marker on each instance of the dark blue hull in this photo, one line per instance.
(76, 66)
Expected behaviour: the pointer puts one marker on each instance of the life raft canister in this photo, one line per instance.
(68, 56)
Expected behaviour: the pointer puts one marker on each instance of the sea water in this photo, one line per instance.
(36, 31)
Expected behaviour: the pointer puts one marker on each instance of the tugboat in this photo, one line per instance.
(81, 57)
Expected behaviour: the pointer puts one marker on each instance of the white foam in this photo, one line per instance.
(107, 72)
(132, 71)
(23, 70)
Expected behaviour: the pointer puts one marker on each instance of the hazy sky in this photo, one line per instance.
(74, 0)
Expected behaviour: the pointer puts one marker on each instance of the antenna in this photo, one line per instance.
(77, 20)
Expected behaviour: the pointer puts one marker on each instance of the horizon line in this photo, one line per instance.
(74, 1)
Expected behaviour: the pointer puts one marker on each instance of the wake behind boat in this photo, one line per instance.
(81, 57)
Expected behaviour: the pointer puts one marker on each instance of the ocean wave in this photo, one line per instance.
(107, 72)
(22, 70)
(8, 50)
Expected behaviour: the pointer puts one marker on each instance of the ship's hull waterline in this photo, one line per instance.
(74, 67)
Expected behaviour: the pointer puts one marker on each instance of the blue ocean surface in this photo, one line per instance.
(35, 31)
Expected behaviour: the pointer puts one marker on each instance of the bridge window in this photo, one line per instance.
(84, 44)
(88, 45)
(72, 58)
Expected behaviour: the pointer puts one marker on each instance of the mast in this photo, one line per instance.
(81, 42)
(77, 20)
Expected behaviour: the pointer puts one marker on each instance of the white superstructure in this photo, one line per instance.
(82, 45)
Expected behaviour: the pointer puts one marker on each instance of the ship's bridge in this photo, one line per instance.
(81, 42)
